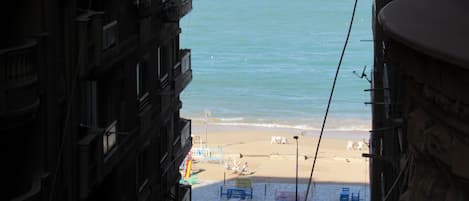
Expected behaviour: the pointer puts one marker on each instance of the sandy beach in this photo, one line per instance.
(270, 162)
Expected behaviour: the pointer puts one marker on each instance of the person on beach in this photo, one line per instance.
(360, 145)
(349, 145)
(245, 167)
(235, 167)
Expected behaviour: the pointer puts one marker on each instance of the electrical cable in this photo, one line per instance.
(330, 98)
(66, 124)
(398, 178)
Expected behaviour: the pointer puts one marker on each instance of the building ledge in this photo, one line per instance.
(436, 28)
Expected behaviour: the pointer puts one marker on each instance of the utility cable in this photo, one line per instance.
(75, 79)
(398, 178)
(330, 98)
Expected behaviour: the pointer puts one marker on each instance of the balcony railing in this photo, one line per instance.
(100, 44)
(173, 10)
(185, 55)
(186, 7)
(183, 143)
(19, 63)
(142, 3)
(185, 131)
(90, 38)
(185, 192)
(96, 149)
(91, 162)
(18, 77)
(144, 103)
(183, 73)
(110, 137)
(144, 7)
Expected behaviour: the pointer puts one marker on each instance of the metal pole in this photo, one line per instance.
(296, 179)
(206, 144)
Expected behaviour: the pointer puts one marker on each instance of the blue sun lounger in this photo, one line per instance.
(356, 196)
(345, 194)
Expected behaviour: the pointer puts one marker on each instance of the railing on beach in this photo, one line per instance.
(207, 154)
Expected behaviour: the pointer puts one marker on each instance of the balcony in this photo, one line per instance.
(184, 141)
(144, 7)
(89, 32)
(182, 71)
(99, 44)
(185, 192)
(97, 156)
(185, 132)
(91, 162)
(110, 137)
(173, 10)
(186, 7)
(19, 64)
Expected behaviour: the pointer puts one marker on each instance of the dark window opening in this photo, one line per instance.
(140, 71)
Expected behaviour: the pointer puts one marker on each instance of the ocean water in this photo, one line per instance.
(271, 63)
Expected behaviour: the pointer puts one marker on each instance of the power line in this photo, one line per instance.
(330, 98)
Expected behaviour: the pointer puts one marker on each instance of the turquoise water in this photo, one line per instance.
(271, 62)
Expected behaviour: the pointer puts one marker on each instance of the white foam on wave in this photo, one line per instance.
(333, 124)
(265, 125)
(232, 119)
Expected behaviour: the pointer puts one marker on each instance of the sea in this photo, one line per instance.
(271, 63)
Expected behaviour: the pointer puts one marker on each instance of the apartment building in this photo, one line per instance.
(90, 100)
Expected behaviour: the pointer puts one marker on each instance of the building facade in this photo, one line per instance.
(420, 102)
(90, 100)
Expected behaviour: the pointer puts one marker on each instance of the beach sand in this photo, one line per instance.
(275, 164)
(267, 161)
(272, 167)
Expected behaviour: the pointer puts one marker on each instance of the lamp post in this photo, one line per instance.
(296, 179)
(207, 115)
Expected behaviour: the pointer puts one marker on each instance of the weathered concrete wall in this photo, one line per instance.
(432, 98)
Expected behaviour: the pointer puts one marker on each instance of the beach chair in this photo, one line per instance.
(345, 194)
(283, 140)
(235, 192)
(223, 192)
(356, 196)
(288, 195)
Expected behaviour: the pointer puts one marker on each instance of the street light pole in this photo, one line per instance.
(206, 133)
(296, 180)
(207, 115)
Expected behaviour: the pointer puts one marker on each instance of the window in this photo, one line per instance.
(110, 99)
(162, 63)
(109, 137)
(158, 63)
(88, 104)
(175, 49)
(140, 81)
